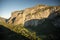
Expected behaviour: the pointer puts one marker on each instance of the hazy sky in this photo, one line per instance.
(8, 6)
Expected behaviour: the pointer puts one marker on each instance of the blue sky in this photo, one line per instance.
(8, 6)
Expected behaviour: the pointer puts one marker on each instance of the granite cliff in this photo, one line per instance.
(42, 21)
(36, 12)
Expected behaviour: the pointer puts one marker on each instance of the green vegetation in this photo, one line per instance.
(20, 29)
(44, 31)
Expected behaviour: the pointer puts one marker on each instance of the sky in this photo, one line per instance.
(8, 6)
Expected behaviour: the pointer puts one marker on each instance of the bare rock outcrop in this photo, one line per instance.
(37, 12)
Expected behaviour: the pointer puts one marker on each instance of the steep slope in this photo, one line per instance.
(8, 34)
(2, 20)
(37, 12)
(38, 22)
(16, 32)
(44, 20)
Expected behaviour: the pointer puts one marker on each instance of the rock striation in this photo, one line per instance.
(36, 12)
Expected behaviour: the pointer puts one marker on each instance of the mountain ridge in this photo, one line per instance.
(36, 12)
(35, 23)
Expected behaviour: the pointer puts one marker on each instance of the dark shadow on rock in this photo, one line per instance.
(7, 34)
(13, 19)
(46, 28)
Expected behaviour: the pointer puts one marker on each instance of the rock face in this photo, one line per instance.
(16, 17)
(37, 12)
(3, 19)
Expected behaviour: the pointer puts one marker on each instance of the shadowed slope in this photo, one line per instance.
(7, 34)
(46, 28)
